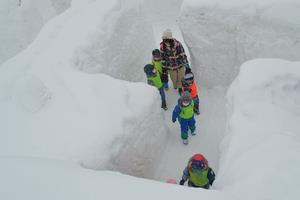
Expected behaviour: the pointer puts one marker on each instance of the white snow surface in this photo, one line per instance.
(221, 35)
(64, 121)
(21, 21)
(51, 109)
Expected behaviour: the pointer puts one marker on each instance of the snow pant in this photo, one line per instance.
(185, 125)
(196, 103)
(165, 79)
(190, 184)
(162, 95)
(176, 76)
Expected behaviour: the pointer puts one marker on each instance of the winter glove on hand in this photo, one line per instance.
(181, 182)
(174, 120)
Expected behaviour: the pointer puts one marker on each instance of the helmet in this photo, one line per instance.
(185, 98)
(167, 34)
(198, 163)
(156, 54)
(189, 78)
(149, 70)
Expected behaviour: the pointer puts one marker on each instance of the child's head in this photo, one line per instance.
(185, 98)
(156, 55)
(188, 79)
(149, 70)
(197, 163)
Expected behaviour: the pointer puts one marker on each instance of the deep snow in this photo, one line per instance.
(56, 106)
(21, 21)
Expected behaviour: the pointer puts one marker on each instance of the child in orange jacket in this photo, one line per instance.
(189, 85)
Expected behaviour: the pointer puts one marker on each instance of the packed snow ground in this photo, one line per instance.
(57, 116)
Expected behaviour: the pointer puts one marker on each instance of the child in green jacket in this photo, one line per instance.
(156, 61)
(153, 78)
(198, 173)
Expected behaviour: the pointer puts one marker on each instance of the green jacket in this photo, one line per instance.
(199, 179)
(155, 80)
(187, 112)
(158, 66)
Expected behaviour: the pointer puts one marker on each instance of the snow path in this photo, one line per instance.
(207, 140)
(212, 106)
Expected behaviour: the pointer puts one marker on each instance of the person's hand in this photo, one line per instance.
(174, 120)
(181, 182)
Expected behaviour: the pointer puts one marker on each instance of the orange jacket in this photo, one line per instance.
(192, 89)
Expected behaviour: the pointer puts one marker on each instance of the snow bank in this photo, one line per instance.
(260, 151)
(20, 23)
(122, 47)
(47, 179)
(221, 35)
(50, 109)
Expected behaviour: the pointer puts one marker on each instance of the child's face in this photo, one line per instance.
(190, 82)
(156, 58)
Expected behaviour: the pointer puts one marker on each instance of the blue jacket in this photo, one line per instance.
(176, 111)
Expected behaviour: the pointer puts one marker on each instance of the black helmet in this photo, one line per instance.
(149, 70)
(156, 53)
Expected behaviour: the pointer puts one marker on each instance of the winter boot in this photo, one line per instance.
(164, 106)
(193, 133)
(193, 130)
(185, 141)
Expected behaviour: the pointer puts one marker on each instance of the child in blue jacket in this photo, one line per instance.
(184, 111)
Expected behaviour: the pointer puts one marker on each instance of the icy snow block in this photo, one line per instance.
(30, 93)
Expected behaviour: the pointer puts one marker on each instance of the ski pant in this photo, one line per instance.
(185, 125)
(196, 103)
(165, 79)
(176, 76)
(162, 95)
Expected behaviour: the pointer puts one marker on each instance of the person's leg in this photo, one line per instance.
(192, 125)
(163, 98)
(180, 76)
(184, 127)
(196, 105)
(165, 79)
(173, 76)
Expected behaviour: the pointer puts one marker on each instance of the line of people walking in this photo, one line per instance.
(171, 60)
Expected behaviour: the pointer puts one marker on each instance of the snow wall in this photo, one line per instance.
(262, 140)
(221, 35)
(55, 103)
(21, 20)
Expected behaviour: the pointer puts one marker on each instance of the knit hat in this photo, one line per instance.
(185, 98)
(167, 34)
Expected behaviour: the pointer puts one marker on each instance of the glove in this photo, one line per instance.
(174, 120)
(181, 182)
